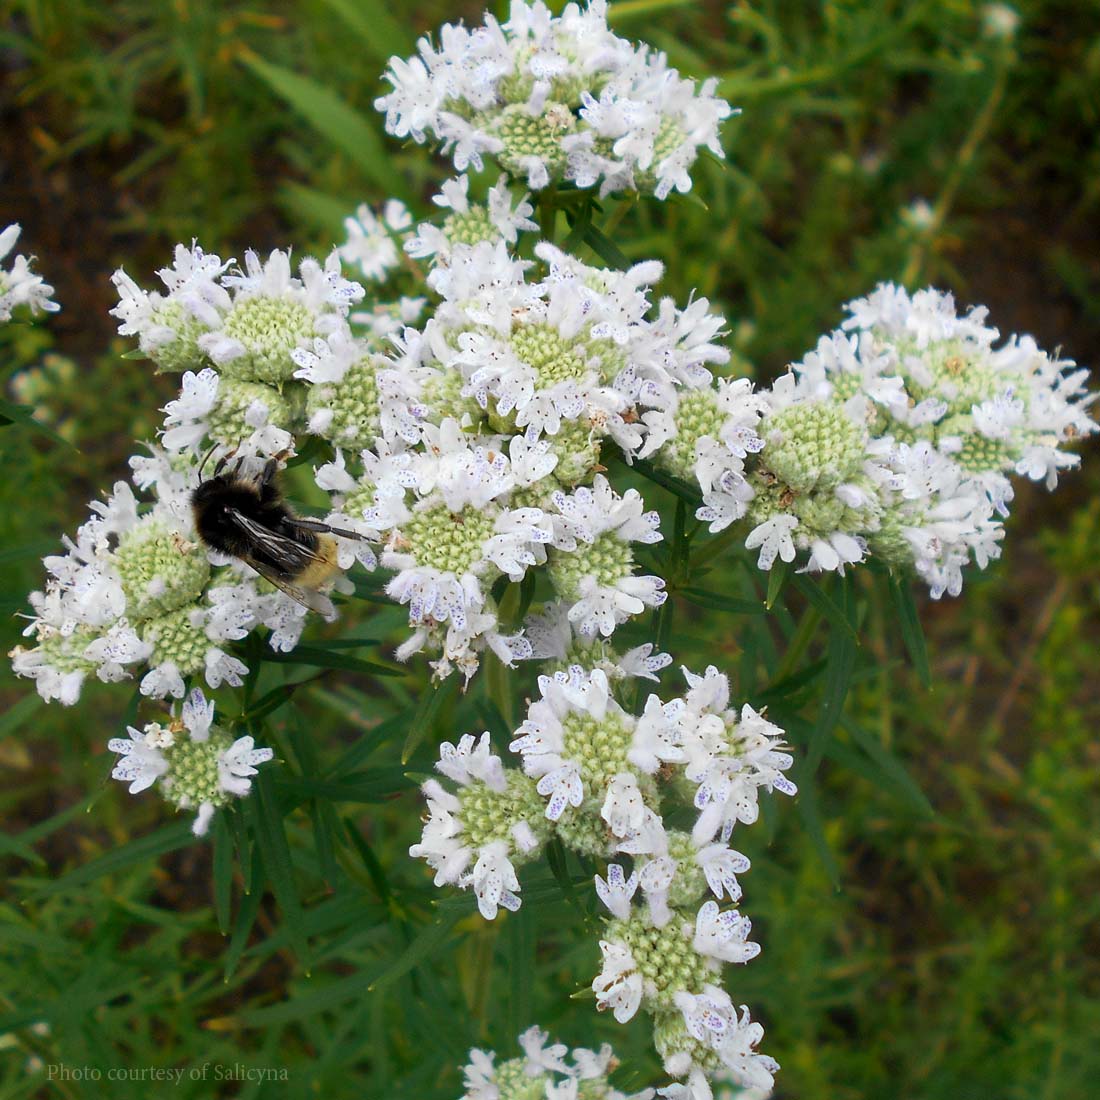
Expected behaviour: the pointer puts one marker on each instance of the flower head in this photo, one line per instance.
(20, 286)
(555, 98)
(196, 763)
(477, 836)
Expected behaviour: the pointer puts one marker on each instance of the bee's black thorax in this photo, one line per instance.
(213, 502)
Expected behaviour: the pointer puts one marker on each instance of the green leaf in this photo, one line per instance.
(271, 839)
(381, 34)
(370, 861)
(166, 839)
(555, 857)
(245, 847)
(13, 845)
(419, 951)
(223, 872)
(11, 413)
(777, 579)
(366, 744)
(792, 684)
(674, 485)
(891, 767)
(829, 608)
(246, 914)
(342, 124)
(367, 786)
(909, 623)
(28, 550)
(579, 223)
(318, 657)
(811, 820)
(840, 660)
(526, 594)
(427, 711)
(626, 10)
(326, 825)
(519, 936)
(272, 700)
(18, 713)
(316, 208)
(704, 598)
(605, 248)
(309, 1004)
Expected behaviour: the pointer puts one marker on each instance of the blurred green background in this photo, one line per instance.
(928, 911)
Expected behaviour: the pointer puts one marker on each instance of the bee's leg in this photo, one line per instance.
(269, 489)
(267, 476)
(205, 459)
(222, 462)
(324, 528)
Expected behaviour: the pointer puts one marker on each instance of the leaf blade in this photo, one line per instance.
(342, 124)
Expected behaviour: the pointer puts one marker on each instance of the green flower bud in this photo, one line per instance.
(160, 570)
(812, 446)
(270, 329)
(608, 558)
(174, 638)
(228, 423)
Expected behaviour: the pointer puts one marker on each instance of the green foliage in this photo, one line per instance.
(928, 913)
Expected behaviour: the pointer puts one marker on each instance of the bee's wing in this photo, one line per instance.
(307, 597)
(296, 556)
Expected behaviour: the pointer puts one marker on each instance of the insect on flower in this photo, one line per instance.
(248, 519)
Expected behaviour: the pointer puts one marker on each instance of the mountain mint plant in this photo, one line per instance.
(522, 441)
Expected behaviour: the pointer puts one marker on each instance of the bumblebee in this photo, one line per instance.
(248, 519)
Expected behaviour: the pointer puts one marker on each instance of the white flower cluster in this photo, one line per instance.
(373, 239)
(894, 438)
(555, 98)
(602, 780)
(545, 1071)
(20, 286)
(469, 222)
(196, 764)
(496, 416)
(472, 453)
(136, 590)
(236, 336)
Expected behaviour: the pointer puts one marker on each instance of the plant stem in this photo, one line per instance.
(979, 130)
(547, 211)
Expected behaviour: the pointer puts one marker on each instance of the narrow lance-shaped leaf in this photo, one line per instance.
(829, 608)
(840, 658)
(342, 124)
(423, 721)
(320, 657)
(422, 948)
(223, 872)
(777, 579)
(11, 413)
(890, 767)
(272, 842)
(909, 624)
(381, 35)
(166, 839)
(705, 598)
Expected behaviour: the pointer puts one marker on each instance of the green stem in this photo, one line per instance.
(617, 215)
(712, 547)
(978, 132)
(547, 212)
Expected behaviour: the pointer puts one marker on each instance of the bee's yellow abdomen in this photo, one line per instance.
(324, 568)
